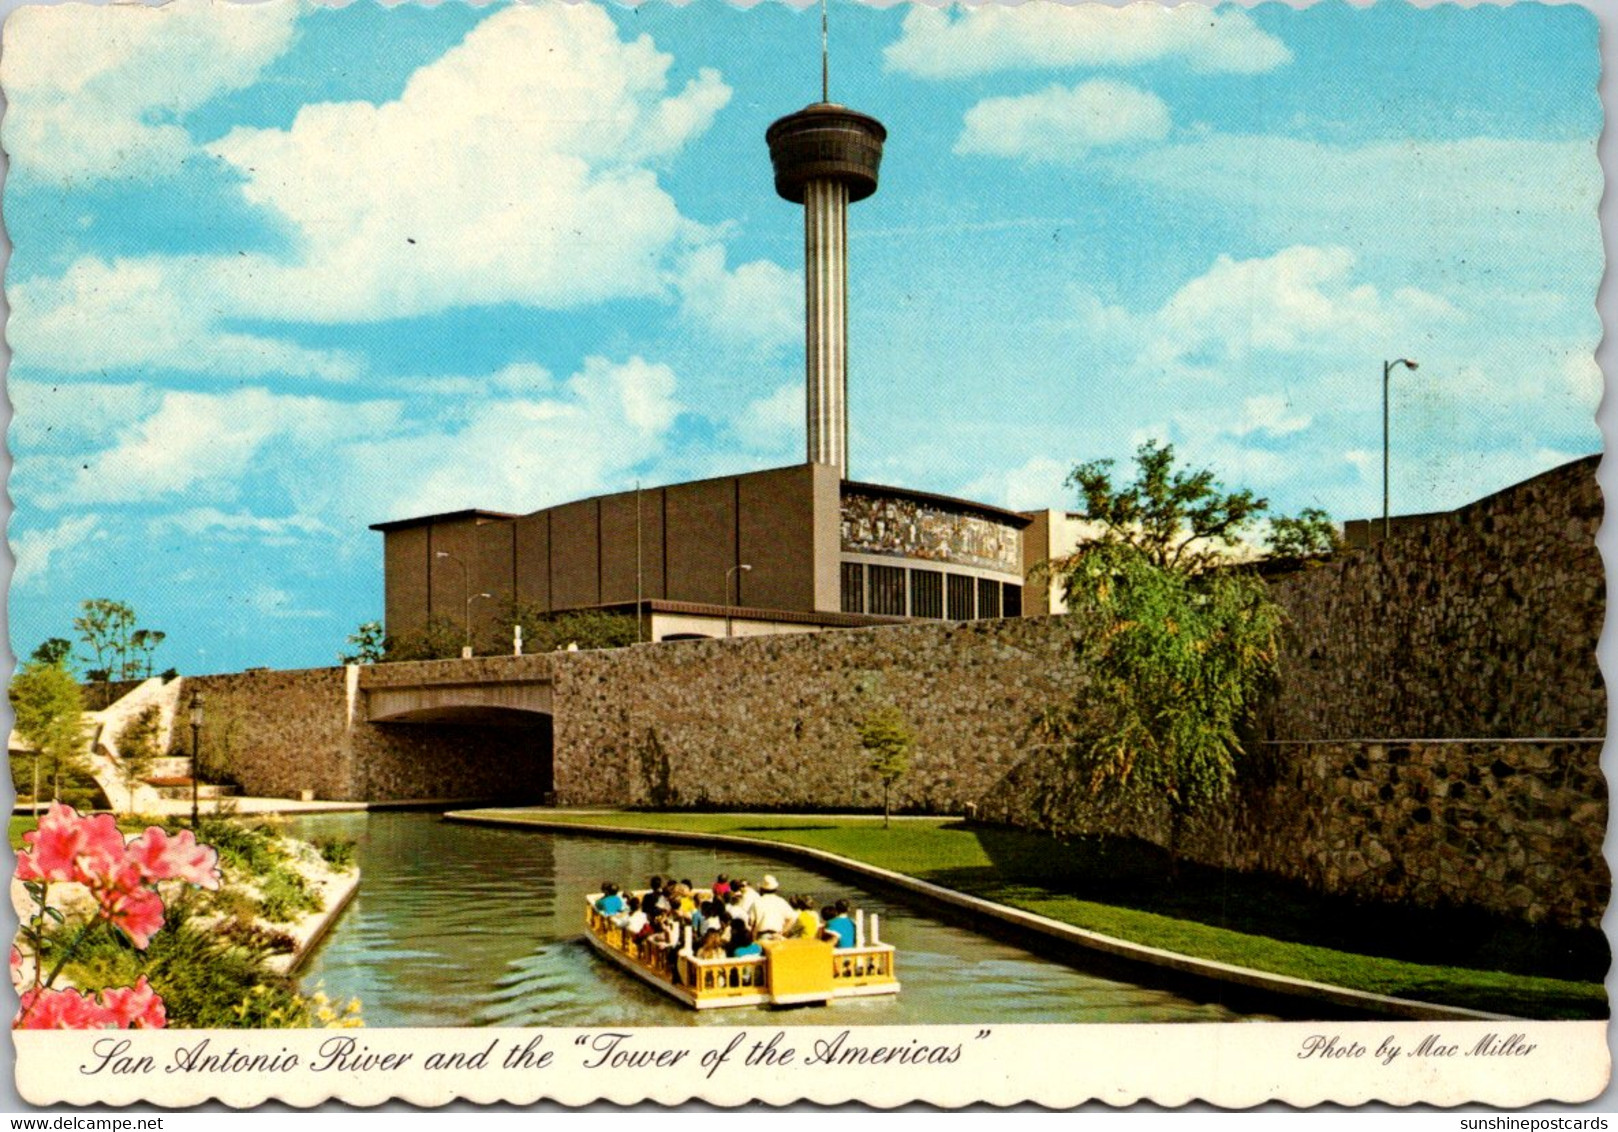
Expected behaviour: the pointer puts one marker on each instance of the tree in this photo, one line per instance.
(49, 710)
(54, 650)
(118, 650)
(1177, 664)
(1310, 535)
(145, 642)
(1176, 519)
(887, 740)
(138, 747)
(367, 644)
(546, 630)
(105, 626)
(439, 638)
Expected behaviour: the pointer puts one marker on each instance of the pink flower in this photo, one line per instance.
(67, 847)
(133, 909)
(47, 1009)
(119, 1008)
(161, 857)
(136, 1007)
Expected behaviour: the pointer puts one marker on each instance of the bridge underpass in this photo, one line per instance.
(492, 730)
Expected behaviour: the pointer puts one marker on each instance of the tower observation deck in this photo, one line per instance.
(826, 156)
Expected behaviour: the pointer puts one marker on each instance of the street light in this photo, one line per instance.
(745, 568)
(1387, 370)
(196, 729)
(466, 650)
(466, 595)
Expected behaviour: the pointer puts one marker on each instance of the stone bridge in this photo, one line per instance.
(434, 697)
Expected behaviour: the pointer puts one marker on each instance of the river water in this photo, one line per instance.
(462, 925)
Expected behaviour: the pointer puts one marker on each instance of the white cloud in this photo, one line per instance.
(758, 304)
(139, 314)
(95, 92)
(209, 442)
(517, 167)
(1062, 124)
(772, 423)
(48, 417)
(516, 455)
(1037, 485)
(1300, 300)
(240, 526)
(969, 42)
(272, 601)
(36, 550)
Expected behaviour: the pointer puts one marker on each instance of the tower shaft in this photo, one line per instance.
(826, 157)
(825, 263)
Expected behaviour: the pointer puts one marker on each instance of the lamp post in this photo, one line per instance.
(466, 649)
(196, 730)
(466, 595)
(1387, 370)
(745, 568)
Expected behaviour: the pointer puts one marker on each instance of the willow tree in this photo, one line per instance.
(1177, 663)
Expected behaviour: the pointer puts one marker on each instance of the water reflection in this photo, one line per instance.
(458, 925)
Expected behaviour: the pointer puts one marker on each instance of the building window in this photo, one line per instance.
(853, 587)
(888, 591)
(1012, 596)
(988, 598)
(961, 607)
(926, 593)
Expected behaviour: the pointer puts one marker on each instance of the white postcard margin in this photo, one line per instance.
(1502, 1064)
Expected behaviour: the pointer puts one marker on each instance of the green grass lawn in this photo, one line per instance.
(1127, 889)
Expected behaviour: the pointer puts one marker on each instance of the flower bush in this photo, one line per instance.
(121, 879)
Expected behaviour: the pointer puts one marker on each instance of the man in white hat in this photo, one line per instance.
(772, 913)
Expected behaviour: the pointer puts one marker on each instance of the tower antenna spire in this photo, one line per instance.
(825, 57)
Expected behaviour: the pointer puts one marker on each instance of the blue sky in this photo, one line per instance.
(281, 272)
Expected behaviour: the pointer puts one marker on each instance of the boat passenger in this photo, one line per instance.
(654, 900)
(684, 905)
(771, 914)
(713, 945)
(839, 926)
(806, 924)
(741, 907)
(711, 914)
(633, 919)
(611, 903)
(721, 886)
(741, 941)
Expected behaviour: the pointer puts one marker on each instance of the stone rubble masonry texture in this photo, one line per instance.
(1435, 738)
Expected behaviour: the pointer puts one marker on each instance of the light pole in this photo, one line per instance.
(745, 568)
(466, 593)
(196, 730)
(466, 649)
(1387, 370)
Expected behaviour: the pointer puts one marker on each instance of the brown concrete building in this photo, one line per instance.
(787, 550)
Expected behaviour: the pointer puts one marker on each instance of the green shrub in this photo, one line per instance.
(338, 852)
(284, 896)
(204, 979)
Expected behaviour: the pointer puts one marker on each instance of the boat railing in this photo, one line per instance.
(725, 977)
(860, 966)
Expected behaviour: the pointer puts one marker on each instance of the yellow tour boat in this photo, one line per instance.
(790, 972)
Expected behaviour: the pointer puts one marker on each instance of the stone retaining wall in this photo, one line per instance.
(286, 731)
(1479, 623)
(1512, 827)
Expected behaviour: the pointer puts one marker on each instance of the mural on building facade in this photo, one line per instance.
(910, 528)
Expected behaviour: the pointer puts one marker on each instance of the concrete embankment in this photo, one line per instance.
(1052, 938)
